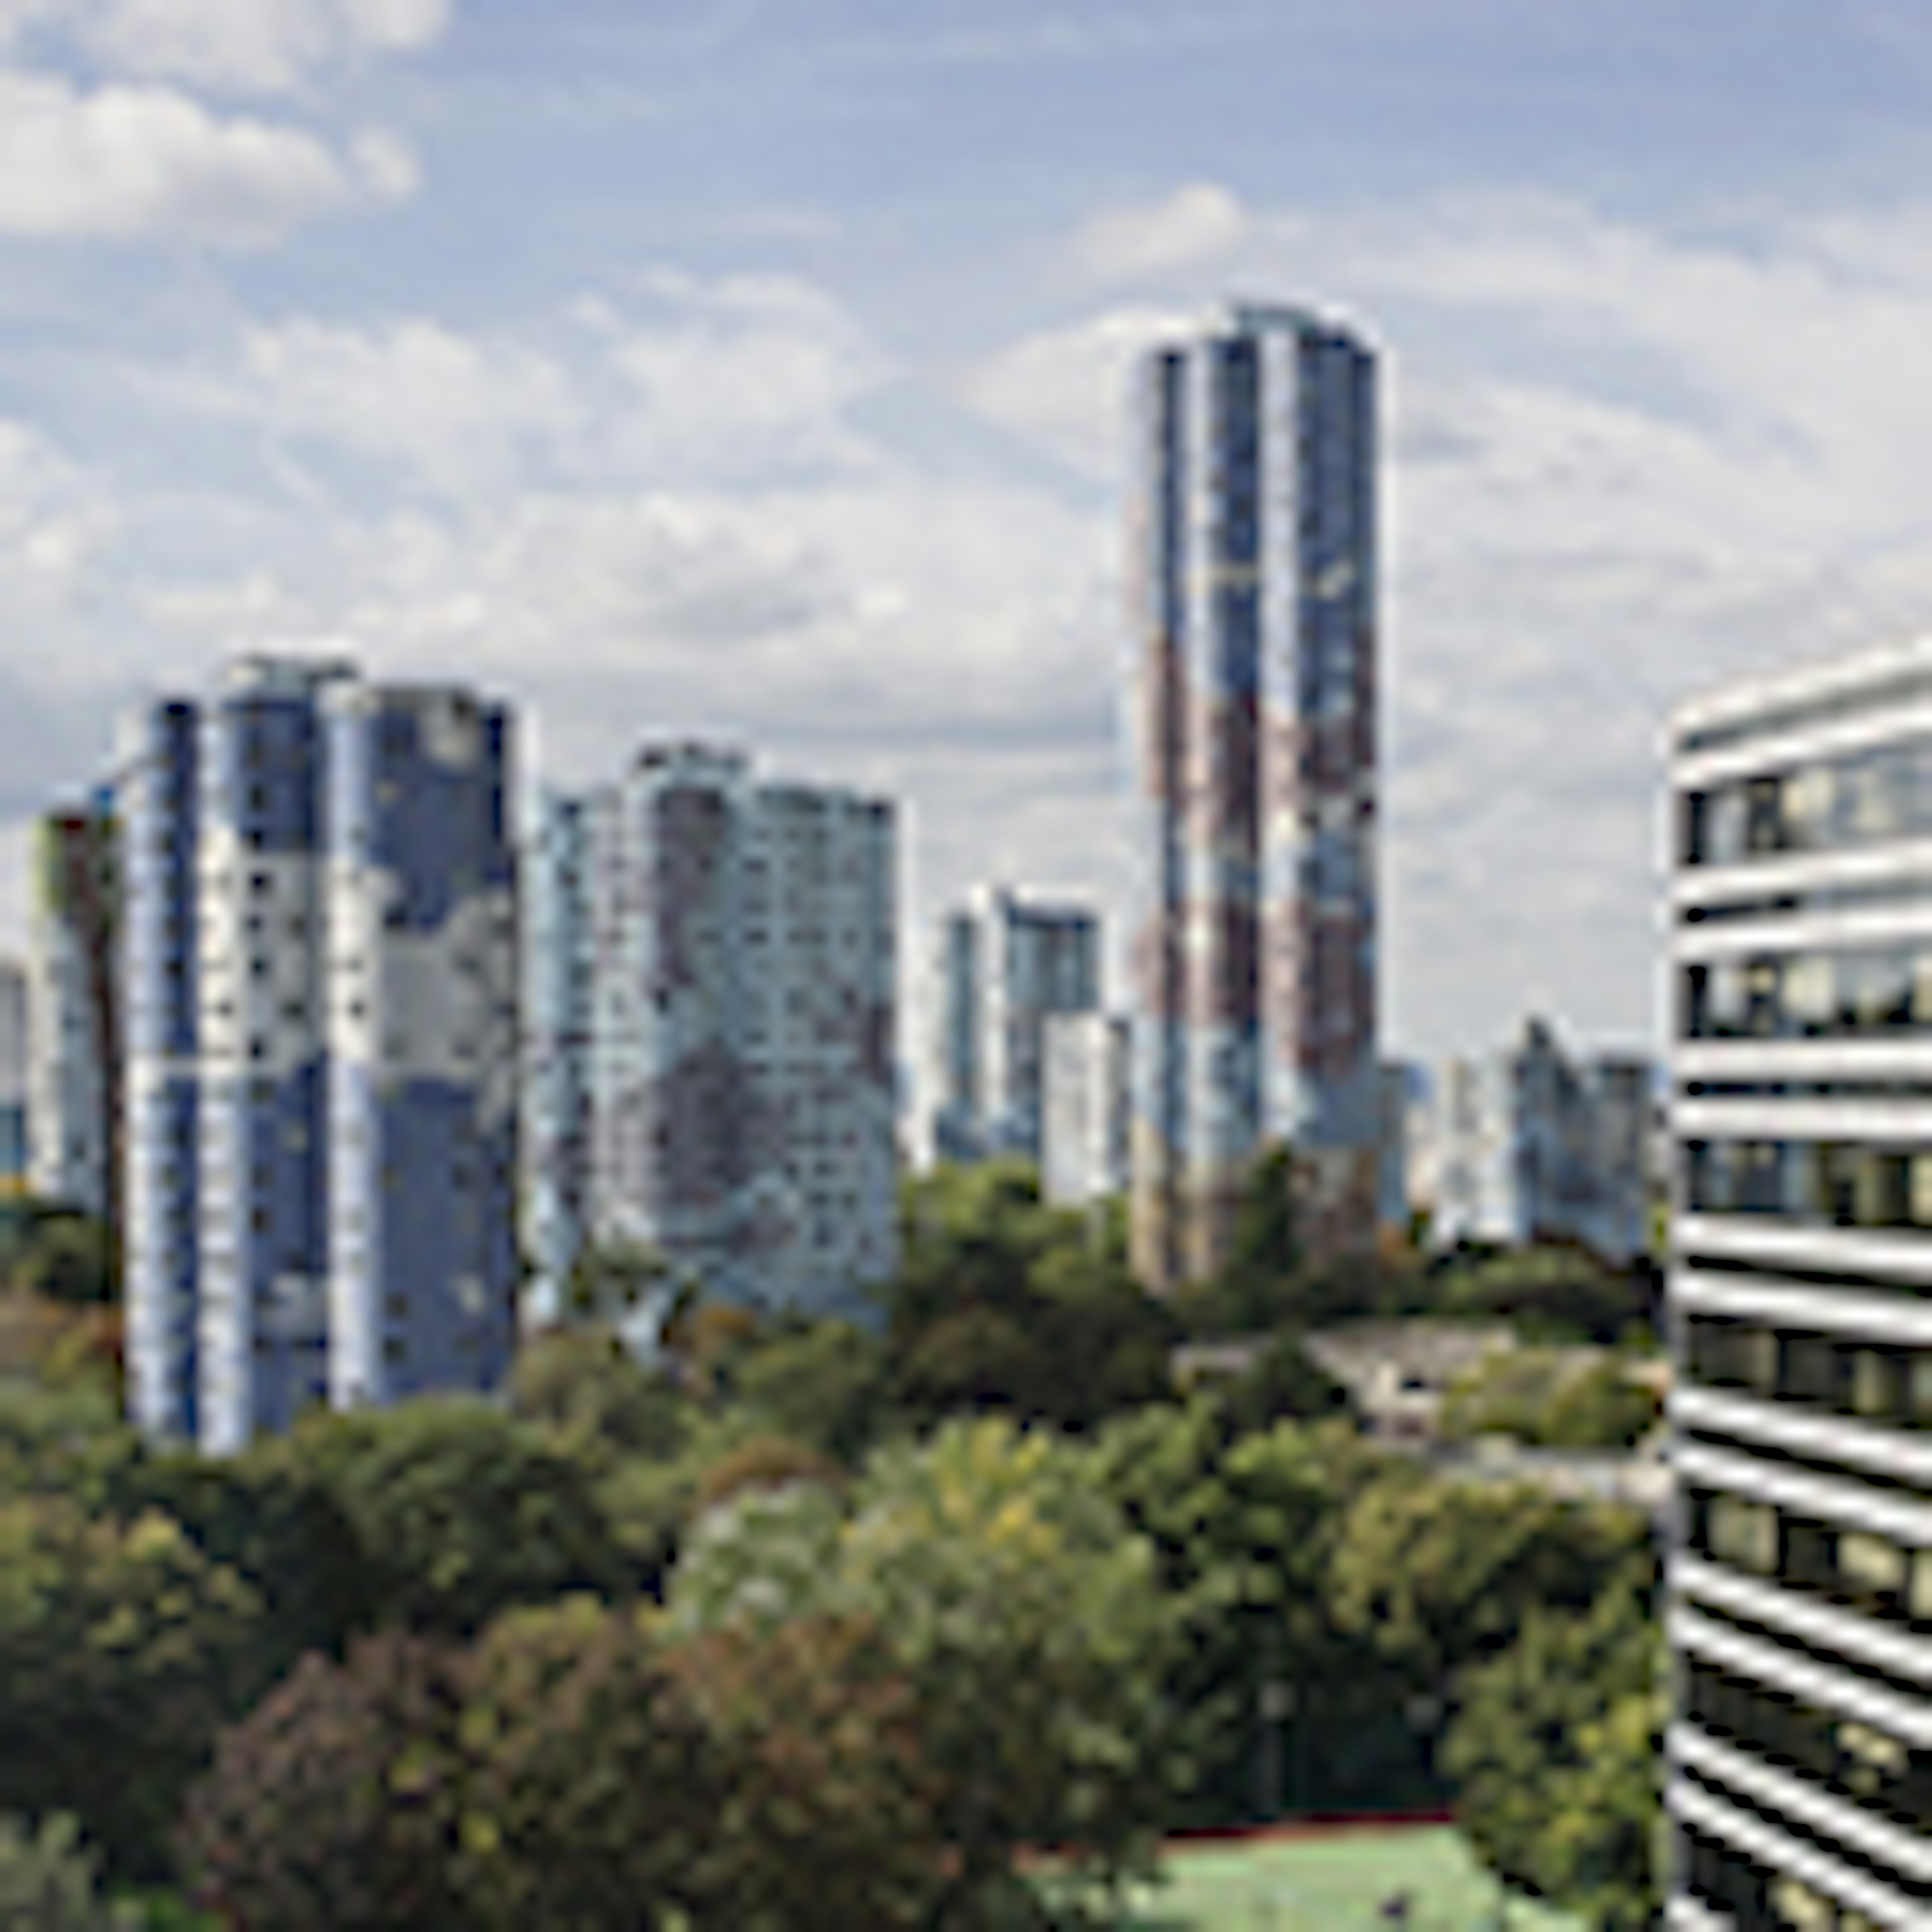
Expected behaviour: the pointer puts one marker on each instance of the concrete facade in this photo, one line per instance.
(1255, 948)
(320, 971)
(1087, 1105)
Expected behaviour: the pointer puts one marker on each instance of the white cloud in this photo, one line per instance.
(1196, 225)
(741, 375)
(402, 25)
(385, 166)
(52, 521)
(18, 16)
(120, 162)
(1067, 388)
(460, 411)
(745, 381)
(253, 46)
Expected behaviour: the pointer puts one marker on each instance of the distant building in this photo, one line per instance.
(1256, 576)
(1005, 966)
(1398, 1088)
(321, 967)
(1532, 1146)
(558, 1012)
(74, 1020)
(715, 1069)
(12, 1077)
(1086, 1107)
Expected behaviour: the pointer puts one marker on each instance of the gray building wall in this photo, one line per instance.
(732, 944)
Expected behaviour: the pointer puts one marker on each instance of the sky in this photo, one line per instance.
(756, 370)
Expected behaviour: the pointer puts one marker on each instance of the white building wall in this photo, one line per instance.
(1087, 1103)
(1801, 1577)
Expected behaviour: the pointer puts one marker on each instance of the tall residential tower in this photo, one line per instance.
(319, 965)
(714, 1066)
(1255, 949)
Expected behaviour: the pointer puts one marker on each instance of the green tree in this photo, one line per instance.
(586, 1387)
(1247, 1527)
(49, 1882)
(70, 1442)
(819, 1383)
(828, 1817)
(335, 1803)
(1284, 1384)
(123, 1651)
(1560, 1292)
(1025, 1615)
(1004, 1302)
(269, 1519)
(69, 1257)
(1547, 1397)
(590, 1791)
(460, 1511)
(1440, 1575)
(1554, 1754)
(762, 1462)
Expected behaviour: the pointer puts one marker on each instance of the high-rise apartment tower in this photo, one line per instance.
(320, 970)
(1800, 1751)
(1255, 955)
(715, 1066)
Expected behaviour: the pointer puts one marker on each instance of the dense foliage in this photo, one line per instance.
(1017, 1607)
(1552, 1399)
(1554, 1754)
(49, 1882)
(800, 1624)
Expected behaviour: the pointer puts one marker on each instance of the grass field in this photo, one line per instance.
(1336, 1881)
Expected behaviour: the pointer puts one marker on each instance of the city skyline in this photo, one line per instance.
(691, 370)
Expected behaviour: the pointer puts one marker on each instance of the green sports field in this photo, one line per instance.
(1337, 1882)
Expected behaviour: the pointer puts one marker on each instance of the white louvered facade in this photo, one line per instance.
(1799, 1762)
